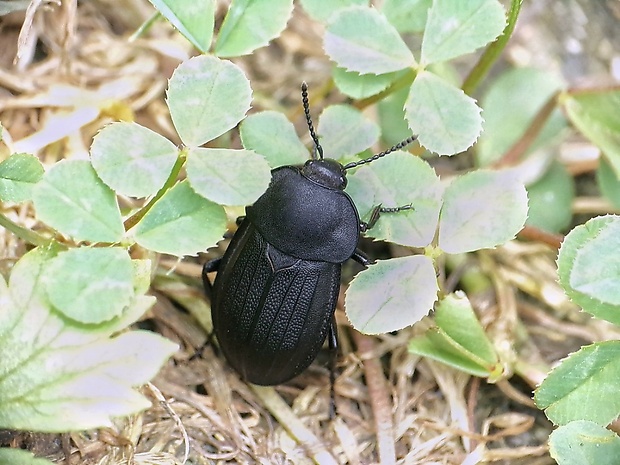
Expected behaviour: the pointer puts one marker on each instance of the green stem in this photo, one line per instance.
(493, 51)
(25, 234)
(145, 26)
(171, 181)
(405, 80)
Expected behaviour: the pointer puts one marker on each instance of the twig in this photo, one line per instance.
(379, 400)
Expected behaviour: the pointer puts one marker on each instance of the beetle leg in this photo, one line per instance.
(361, 258)
(332, 341)
(211, 265)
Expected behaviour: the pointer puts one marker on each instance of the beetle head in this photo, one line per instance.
(326, 172)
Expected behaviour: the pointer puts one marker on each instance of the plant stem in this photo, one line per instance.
(405, 80)
(493, 51)
(145, 26)
(172, 178)
(518, 149)
(25, 234)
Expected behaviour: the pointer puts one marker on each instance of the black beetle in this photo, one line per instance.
(275, 293)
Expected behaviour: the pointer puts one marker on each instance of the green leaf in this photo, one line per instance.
(455, 27)
(361, 39)
(595, 114)
(343, 130)
(391, 113)
(58, 375)
(227, 176)
(608, 182)
(399, 179)
(407, 15)
(192, 19)
(251, 24)
(551, 199)
(271, 135)
(181, 223)
(391, 294)
(207, 97)
(10, 456)
(9, 6)
(132, 159)
(584, 386)
(458, 340)
(437, 345)
(18, 175)
(359, 86)
(589, 269)
(584, 443)
(322, 10)
(73, 200)
(90, 285)
(446, 120)
(510, 104)
(456, 317)
(481, 209)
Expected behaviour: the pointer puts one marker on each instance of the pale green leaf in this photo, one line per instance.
(391, 113)
(589, 269)
(90, 285)
(407, 15)
(132, 159)
(481, 209)
(551, 199)
(73, 200)
(399, 179)
(608, 182)
(192, 19)
(207, 97)
(344, 130)
(456, 317)
(455, 27)
(435, 344)
(584, 386)
(58, 375)
(12, 456)
(322, 10)
(271, 135)
(583, 442)
(446, 120)
(509, 105)
(251, 24)
(595, 114)
(9, 6)
(391, 294)
(227, 176)
(458, 340)
(18, 175)
(359, 86)
(361, 39)
(181, 223)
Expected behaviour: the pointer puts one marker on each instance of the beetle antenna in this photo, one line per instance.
(304, 100)
(398, 146)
